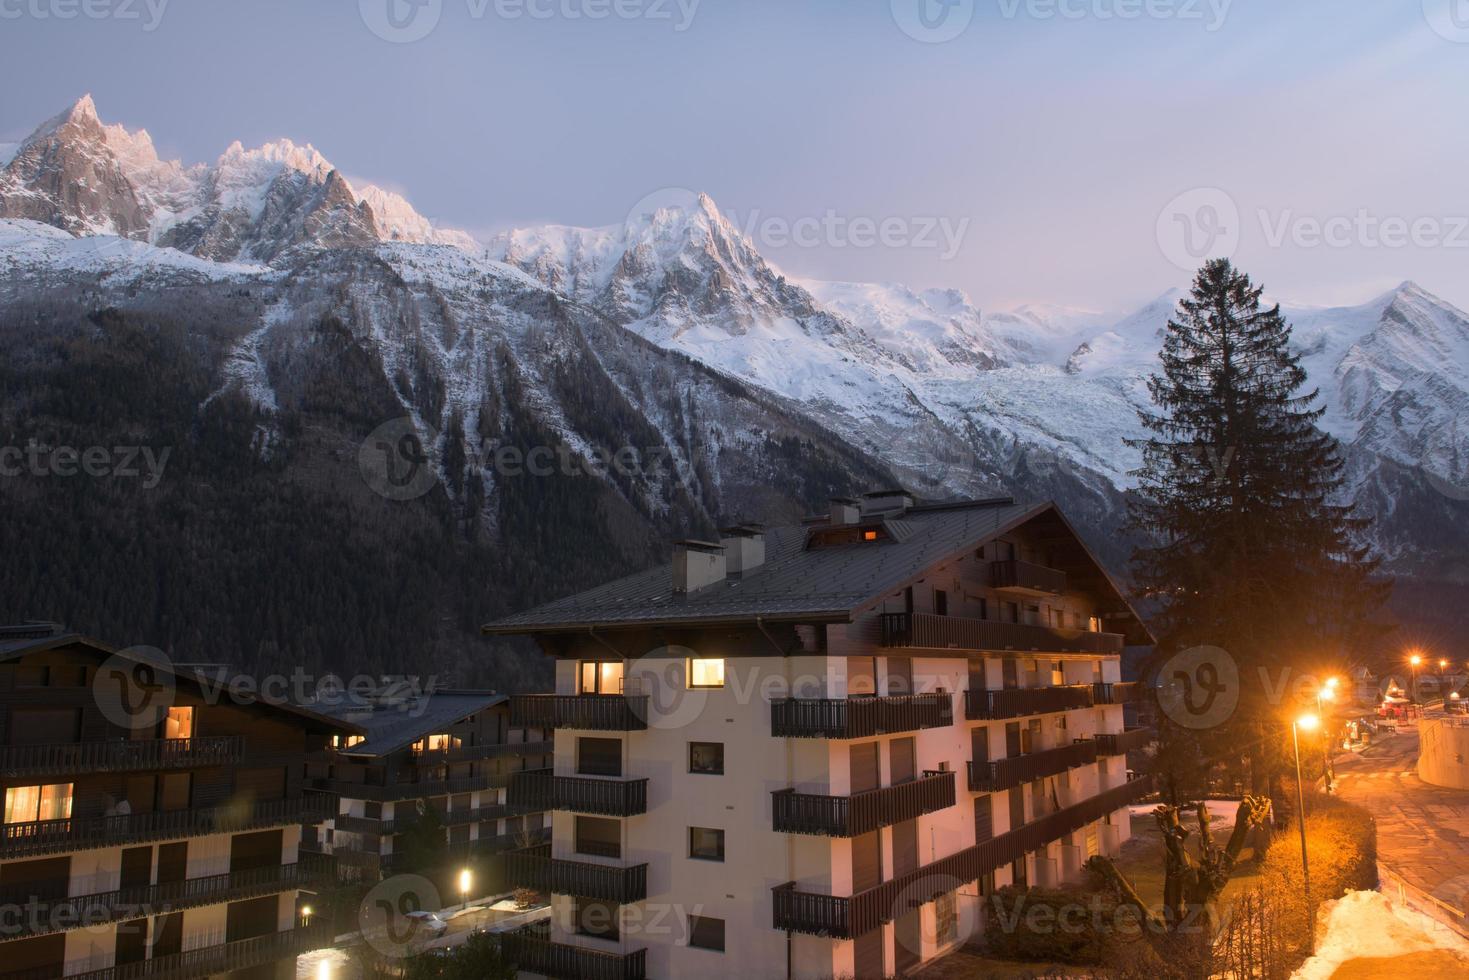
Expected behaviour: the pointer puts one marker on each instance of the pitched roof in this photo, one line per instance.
(795, 582)
(393, 726)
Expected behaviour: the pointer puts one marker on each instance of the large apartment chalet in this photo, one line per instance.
(812, 751)
(152, 822)
(448, 749)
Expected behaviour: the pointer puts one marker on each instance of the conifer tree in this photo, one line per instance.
(1251, 550)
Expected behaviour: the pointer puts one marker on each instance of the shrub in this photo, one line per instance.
(1061, 925)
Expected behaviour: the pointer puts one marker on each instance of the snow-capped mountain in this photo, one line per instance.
(1036, 401)
(88, 178)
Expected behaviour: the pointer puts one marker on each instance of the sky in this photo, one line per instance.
(1087, 153)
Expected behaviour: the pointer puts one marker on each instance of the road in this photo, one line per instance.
(1422, 830)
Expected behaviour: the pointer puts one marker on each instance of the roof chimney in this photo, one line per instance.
(744, 548)
(886, 502)
(697, 564)
(844, 510)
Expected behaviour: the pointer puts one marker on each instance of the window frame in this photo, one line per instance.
(706, 772)
(693, 686)
(700, 857)
(694, 921)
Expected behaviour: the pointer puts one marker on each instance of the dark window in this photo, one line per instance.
(1011, 612)
(599, 836)
(706, 844)
(598, 919)
(1017, 873)
(706, 758)
(599, 756)
(984, 822)
(984, 608)
(941, 602)
(706, 933)
(1017, 808)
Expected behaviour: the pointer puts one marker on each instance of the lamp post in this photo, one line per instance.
(1327, 693)
(1414, 661)
(464, 883)
(1309, 723)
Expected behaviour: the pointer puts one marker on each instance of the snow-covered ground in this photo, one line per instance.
(1366, 925)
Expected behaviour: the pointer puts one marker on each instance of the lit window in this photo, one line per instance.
(869, 535)
(706, 672)
(179, 723)
(339, 742)
(600, 677)
(436, 743)
(26, 803)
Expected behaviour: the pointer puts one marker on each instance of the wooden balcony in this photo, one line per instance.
(542, 789)
(846, 917)
(119, 755)
(41, 914)
(410, 791)
(1026, 578)
(584, 712)
(532, 951)
(859, 717)
(849, 816)
(205, 961)
(454, 818)
(930, 632)
(79, 833)
(998, 774)
(533, 867)
(469, 753)
(1120, 692)
(1016, 702)
(1121, 743)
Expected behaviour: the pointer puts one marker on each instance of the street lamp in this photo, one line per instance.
(1414, 661)
(464, 883)
(1327, 693)
(1304, 723)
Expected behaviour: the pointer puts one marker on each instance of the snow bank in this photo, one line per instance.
(1366, 924)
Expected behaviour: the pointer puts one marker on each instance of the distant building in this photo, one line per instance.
(160, 813)
(453, 749)
(811, 751)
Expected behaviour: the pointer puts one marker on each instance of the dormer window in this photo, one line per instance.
(834, 537)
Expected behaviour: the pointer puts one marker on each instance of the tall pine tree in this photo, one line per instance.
(1251, 549)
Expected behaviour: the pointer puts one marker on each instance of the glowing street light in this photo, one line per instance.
(464, 884)
(1306, 723)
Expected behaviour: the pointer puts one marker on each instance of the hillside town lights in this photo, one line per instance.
(1304, 723)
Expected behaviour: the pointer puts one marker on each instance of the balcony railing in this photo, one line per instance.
(1120, 692)
(455, 818)
(859, 717)
(461, 849)
(1023, 576)
(1016, 702)
(202, 962)
(542, 789)
(77, 833)
(846, 917)
(585, 712)
(119, 755)
(534, 868)
(29, 911)
(928, 631)
(532, 952)
(849, 816)
(469, 753)
(410, 791)
(1120, 743)
(998, 774)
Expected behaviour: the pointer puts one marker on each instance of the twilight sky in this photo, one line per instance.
(1062, 144)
